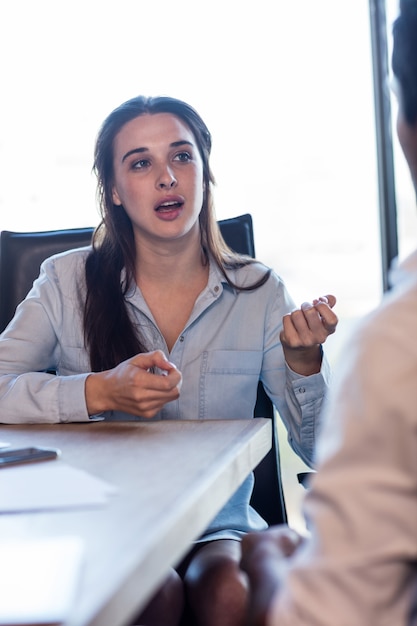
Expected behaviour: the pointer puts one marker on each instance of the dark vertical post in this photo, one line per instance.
(385, 157)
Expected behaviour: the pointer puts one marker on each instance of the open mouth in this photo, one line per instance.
(169, 206)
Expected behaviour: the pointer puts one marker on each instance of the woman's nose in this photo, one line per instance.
(166, 179)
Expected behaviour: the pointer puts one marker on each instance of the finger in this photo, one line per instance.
(290, 334)
(328, 317)
(162, 362)
(328, 299)
(160, 382)
(329, 321)
(324, 306)
(149, 392)
(306, 327)
(146, 360)
(331, 300)
(322, 322)
(298, 325)
(150, 360)
(174, 378)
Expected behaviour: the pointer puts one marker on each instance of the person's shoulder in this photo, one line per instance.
(66, 267)
(272, 287)
(399, 305)
(68, 259)
(399, 309)
(387, 333)
(256, 270)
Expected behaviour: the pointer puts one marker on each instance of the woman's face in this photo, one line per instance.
(158, 176)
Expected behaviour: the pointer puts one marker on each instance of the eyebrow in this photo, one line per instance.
(174, 144)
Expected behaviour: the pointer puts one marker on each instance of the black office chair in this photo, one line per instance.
(21, 255)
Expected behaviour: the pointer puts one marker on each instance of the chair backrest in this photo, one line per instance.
(21, 255)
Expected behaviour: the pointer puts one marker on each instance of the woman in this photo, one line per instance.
(160, 282)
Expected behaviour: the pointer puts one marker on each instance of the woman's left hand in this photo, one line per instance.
(304, 330)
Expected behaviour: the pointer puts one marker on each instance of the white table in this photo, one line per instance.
(172, 479)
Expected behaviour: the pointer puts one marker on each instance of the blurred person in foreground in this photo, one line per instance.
(358, 566)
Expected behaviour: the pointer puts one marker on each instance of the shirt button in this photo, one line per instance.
(216, 289)
(182, 338)
(302, 390)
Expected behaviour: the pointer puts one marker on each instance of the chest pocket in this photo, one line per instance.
(228, 383)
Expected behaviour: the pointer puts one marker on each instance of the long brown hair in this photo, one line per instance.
(109, 333)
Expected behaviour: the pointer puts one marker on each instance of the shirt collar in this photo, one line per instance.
(215, 284)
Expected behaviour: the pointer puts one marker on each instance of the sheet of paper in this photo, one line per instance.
(50, 485)
(39, 580)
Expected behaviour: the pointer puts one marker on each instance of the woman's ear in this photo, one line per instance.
(115, 197)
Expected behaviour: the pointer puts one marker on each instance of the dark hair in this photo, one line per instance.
(109, 333)
(404, 58)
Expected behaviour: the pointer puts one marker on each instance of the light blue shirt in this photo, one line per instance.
(230, 342)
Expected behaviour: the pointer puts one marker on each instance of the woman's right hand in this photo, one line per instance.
(133, 386)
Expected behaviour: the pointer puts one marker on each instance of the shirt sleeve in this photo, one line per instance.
(298, 399)
(304, 397)
(32, 344)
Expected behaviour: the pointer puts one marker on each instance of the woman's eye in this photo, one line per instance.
(137, 165)
(184, 157)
